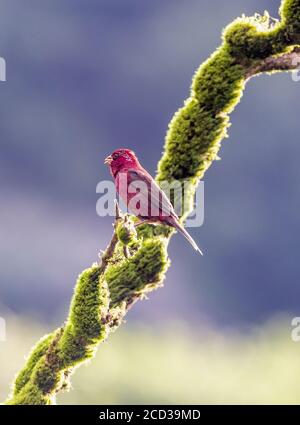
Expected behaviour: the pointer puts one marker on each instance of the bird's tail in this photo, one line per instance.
(182, 230)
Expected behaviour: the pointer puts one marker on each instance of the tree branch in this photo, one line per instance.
(287, 62)
(103, 293)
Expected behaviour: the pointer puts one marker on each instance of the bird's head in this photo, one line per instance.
(119, 159)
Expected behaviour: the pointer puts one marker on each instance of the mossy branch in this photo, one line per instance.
(134, 264)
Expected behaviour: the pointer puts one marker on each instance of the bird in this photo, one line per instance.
(133, 182)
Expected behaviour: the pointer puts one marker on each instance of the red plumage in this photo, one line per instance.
(142, 195)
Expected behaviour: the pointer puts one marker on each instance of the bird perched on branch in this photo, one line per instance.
(142, 195)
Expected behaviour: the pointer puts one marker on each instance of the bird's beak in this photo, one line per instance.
(108, 160)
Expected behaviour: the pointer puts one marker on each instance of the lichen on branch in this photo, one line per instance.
(134, 264)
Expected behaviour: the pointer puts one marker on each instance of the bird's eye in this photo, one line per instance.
(115, 156)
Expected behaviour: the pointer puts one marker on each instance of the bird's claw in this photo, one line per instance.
(126, 251)
(117, 209)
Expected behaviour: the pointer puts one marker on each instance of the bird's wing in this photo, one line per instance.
(159, 200)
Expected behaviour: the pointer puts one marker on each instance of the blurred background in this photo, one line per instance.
(86, 78)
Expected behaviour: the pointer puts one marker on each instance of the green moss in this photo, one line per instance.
(149, 231)
(42, 377)
(195, 132)
(90, 299)
(126, 232)
(42, 385)
(244, 40)
(37, 352)
(290, 13)
(68, 346)
(139, 273)
(30, 395)
(85, 328)
(46, 376)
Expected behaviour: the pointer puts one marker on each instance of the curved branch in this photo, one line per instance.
(287, 62)
(133, 265)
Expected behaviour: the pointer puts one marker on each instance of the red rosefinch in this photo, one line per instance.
(142, 195)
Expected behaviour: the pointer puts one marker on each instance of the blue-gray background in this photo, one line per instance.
(86, 77)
